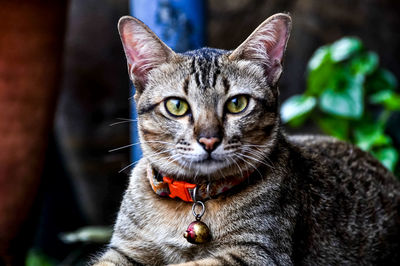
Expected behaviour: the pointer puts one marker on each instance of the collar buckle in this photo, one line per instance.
(179, 189)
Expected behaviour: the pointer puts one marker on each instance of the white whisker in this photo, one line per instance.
(129, 165)
(247, 162)
(261, 154)
(257, 160)
(137, 143)
(145, 157)
(123, 147)
(238, 166)
(122, 121)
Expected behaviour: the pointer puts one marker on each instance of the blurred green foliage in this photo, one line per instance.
(37, 258)
(88, 234)
(349, 97)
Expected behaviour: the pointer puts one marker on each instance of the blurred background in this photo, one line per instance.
(65, 95)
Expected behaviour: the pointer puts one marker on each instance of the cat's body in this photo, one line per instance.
(308, 200)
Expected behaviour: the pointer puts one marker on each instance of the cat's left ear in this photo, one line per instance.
(143, 49)
(267, 45)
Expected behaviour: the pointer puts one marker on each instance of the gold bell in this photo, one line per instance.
(197, 233)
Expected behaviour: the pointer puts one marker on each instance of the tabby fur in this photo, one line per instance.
(310, 200)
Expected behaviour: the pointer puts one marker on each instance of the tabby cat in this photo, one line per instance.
(210, 134)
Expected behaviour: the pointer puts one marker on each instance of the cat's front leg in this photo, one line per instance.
(114, 257)
(250, 256)
(202, 262)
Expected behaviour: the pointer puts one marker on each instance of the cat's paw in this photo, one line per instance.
(192, 263)
(203, 262)
(105, 263)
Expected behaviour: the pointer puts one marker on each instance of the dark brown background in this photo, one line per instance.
(78, 184)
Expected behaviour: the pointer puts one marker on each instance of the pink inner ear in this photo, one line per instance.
(136, 59)
(143, 50)
(267, 43)
(276, 50)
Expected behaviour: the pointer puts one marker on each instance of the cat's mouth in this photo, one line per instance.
(207, 165)
(209, 159)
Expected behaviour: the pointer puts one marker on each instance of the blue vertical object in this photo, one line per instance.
(178, 23)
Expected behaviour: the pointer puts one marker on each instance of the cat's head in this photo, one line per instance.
(208, 113)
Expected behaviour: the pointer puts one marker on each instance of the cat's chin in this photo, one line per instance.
(209, 166)
(195, 172)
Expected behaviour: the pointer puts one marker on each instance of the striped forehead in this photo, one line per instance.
(205, 71)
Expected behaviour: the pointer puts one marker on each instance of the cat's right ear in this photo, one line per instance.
(143, 49)
(267, 45)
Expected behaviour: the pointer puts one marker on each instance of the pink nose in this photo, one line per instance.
(209, 144)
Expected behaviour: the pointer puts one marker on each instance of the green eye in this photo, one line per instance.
(237, 104)
(176, 107)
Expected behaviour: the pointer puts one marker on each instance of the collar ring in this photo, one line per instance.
(203, 209)
(194, 194)
(208, 190)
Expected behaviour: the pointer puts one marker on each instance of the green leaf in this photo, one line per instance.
(393, 103)
(345, 102)
(388, 98)
(320, 70)
(368, 135)
(365, 64)
(298, 121)
(344, 48)
(296, 107)
(319, 79)
(320, 56)
(381, 96)
(93, 234)
(383, 140)
(381, 79)
(338, 128)
(38, 258)
(388, 156)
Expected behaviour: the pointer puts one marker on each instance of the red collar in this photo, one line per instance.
(167, 187)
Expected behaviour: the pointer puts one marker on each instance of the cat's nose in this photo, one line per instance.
(209, 144)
